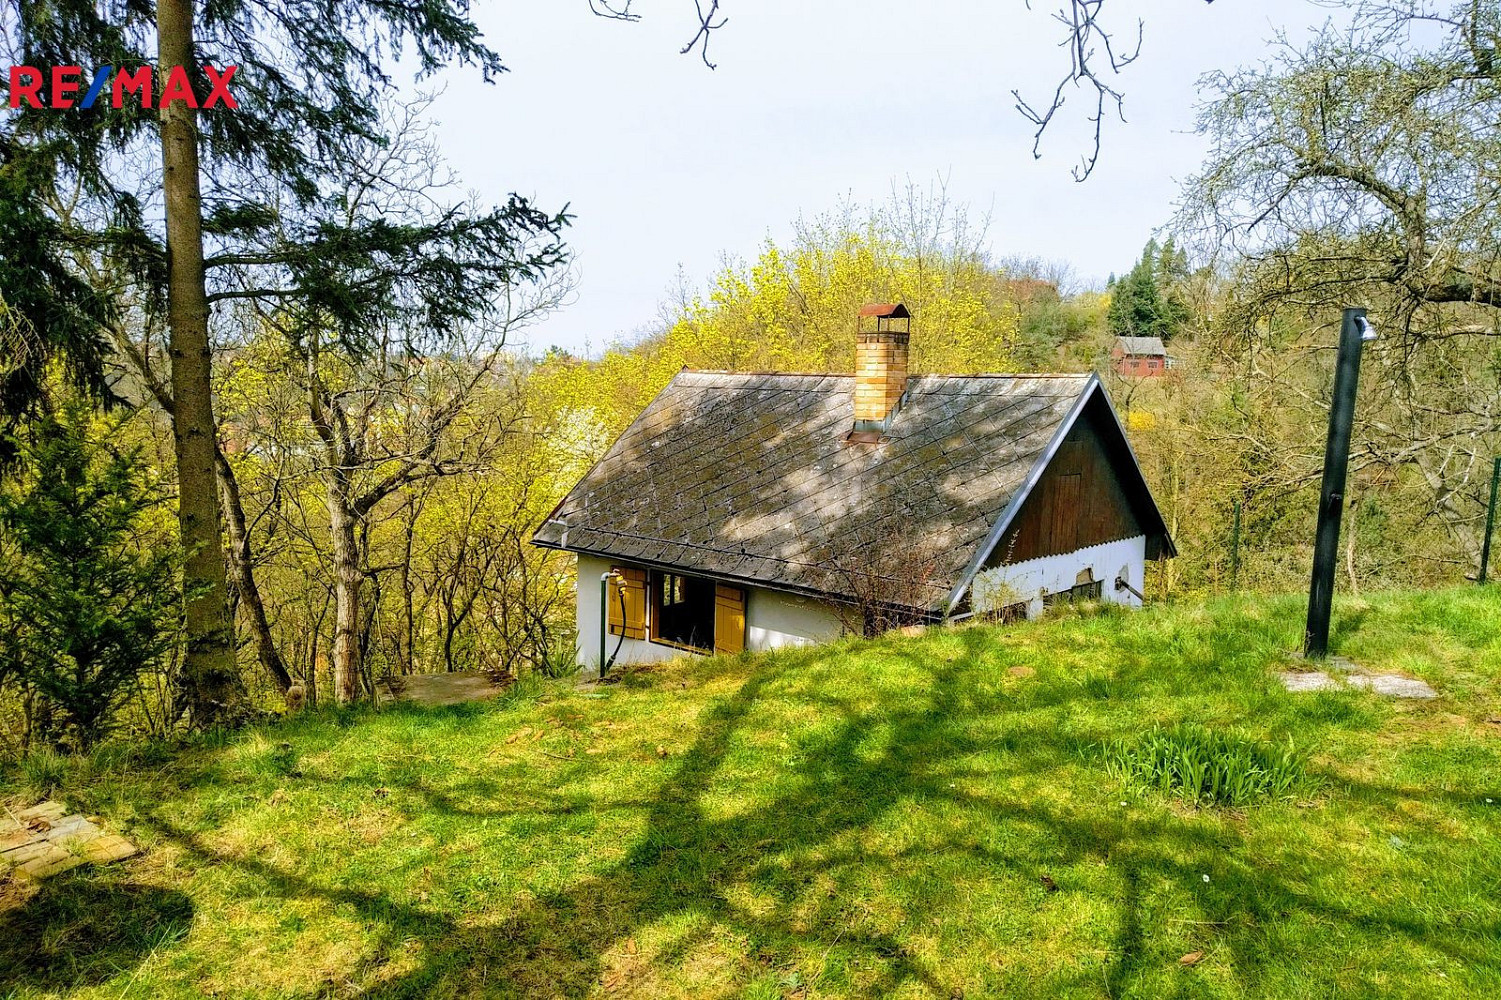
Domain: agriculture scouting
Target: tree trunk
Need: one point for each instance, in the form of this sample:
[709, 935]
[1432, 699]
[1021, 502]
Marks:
[241, 563]
[209, 678]
[347, 580]
[406, 643]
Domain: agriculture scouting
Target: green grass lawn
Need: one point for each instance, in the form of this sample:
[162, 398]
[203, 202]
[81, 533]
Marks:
[907, 817]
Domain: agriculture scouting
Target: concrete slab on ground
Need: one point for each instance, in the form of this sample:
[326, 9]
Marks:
[1342, 672]
[45, 839]
[1307, 680]
[1393, 685]
[443, 689]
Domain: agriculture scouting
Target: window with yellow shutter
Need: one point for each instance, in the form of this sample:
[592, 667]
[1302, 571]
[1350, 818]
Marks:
[729, 619]
[682, 611]
[690, 612]
[627, 611]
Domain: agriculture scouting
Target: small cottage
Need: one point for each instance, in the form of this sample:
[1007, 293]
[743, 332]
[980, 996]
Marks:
[755, 510]
[1139, 357]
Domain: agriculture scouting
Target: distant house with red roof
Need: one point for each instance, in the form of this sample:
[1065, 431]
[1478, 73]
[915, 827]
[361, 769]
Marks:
[1140, 357]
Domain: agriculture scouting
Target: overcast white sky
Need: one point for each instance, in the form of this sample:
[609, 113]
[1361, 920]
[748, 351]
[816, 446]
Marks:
[665, 162]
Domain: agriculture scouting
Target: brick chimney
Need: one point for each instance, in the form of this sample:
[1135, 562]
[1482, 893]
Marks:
[881, 337]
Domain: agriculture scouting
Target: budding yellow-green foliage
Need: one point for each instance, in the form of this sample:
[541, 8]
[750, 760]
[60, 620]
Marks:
[794, 308]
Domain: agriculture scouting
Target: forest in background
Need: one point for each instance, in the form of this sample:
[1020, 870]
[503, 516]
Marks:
[384, 445]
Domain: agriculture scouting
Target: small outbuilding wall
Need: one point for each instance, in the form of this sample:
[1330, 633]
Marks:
[1031, 581]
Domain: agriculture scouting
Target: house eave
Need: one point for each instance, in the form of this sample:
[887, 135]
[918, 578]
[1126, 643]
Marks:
[745, 581]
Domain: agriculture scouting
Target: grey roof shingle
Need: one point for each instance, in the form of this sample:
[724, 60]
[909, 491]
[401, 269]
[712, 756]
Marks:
[748, 476]
[1151, 347]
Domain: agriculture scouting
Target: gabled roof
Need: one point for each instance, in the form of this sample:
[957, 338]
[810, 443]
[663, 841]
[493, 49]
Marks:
[748, 477]
[1142, 346]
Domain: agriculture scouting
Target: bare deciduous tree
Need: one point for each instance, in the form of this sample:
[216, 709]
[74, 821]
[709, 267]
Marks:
[1362, 168]
[890, 574]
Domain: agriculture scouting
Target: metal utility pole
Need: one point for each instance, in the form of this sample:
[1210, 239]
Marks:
[1353, 332]
[1490, 522]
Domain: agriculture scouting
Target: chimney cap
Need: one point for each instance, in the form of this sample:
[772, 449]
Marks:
[886, 310]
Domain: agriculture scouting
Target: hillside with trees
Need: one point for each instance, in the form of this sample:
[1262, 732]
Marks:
[279, 422]
[380, 443]
[381, 495]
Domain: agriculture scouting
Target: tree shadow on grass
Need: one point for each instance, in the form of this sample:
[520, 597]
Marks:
[682, 865]
[1346, 626]
[83, 928]
[780, 879]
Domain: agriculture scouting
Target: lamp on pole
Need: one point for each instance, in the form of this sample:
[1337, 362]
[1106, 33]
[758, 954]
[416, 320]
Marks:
[1354, 331]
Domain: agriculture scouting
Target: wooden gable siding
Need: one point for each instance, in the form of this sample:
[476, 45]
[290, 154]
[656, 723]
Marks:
[1078, 502]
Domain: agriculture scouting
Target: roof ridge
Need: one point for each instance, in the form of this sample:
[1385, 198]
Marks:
[727, 371]
[1006, 375]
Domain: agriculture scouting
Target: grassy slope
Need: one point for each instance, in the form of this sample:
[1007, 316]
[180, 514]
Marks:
[867, 819]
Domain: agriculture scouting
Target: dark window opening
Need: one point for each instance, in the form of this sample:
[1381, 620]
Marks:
[1010, 613]
[1082, 592]
[683, 609]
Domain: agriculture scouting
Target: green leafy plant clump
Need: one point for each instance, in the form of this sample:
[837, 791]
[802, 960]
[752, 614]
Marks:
[1208, 767]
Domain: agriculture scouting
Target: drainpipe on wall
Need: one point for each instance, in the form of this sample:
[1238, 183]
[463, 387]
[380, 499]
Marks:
[604, 618]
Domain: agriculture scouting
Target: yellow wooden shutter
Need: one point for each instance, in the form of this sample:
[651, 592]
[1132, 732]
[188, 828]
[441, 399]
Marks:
[630, 583]
[729, 619]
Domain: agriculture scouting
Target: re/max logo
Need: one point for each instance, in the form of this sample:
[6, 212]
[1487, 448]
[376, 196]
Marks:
[126, 86]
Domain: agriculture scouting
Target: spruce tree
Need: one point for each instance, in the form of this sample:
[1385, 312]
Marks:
[232, 206]
[86, 595]
[1142, 303]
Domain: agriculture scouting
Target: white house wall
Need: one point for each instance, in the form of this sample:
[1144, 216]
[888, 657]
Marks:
[1029, 581]
[772, 619]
